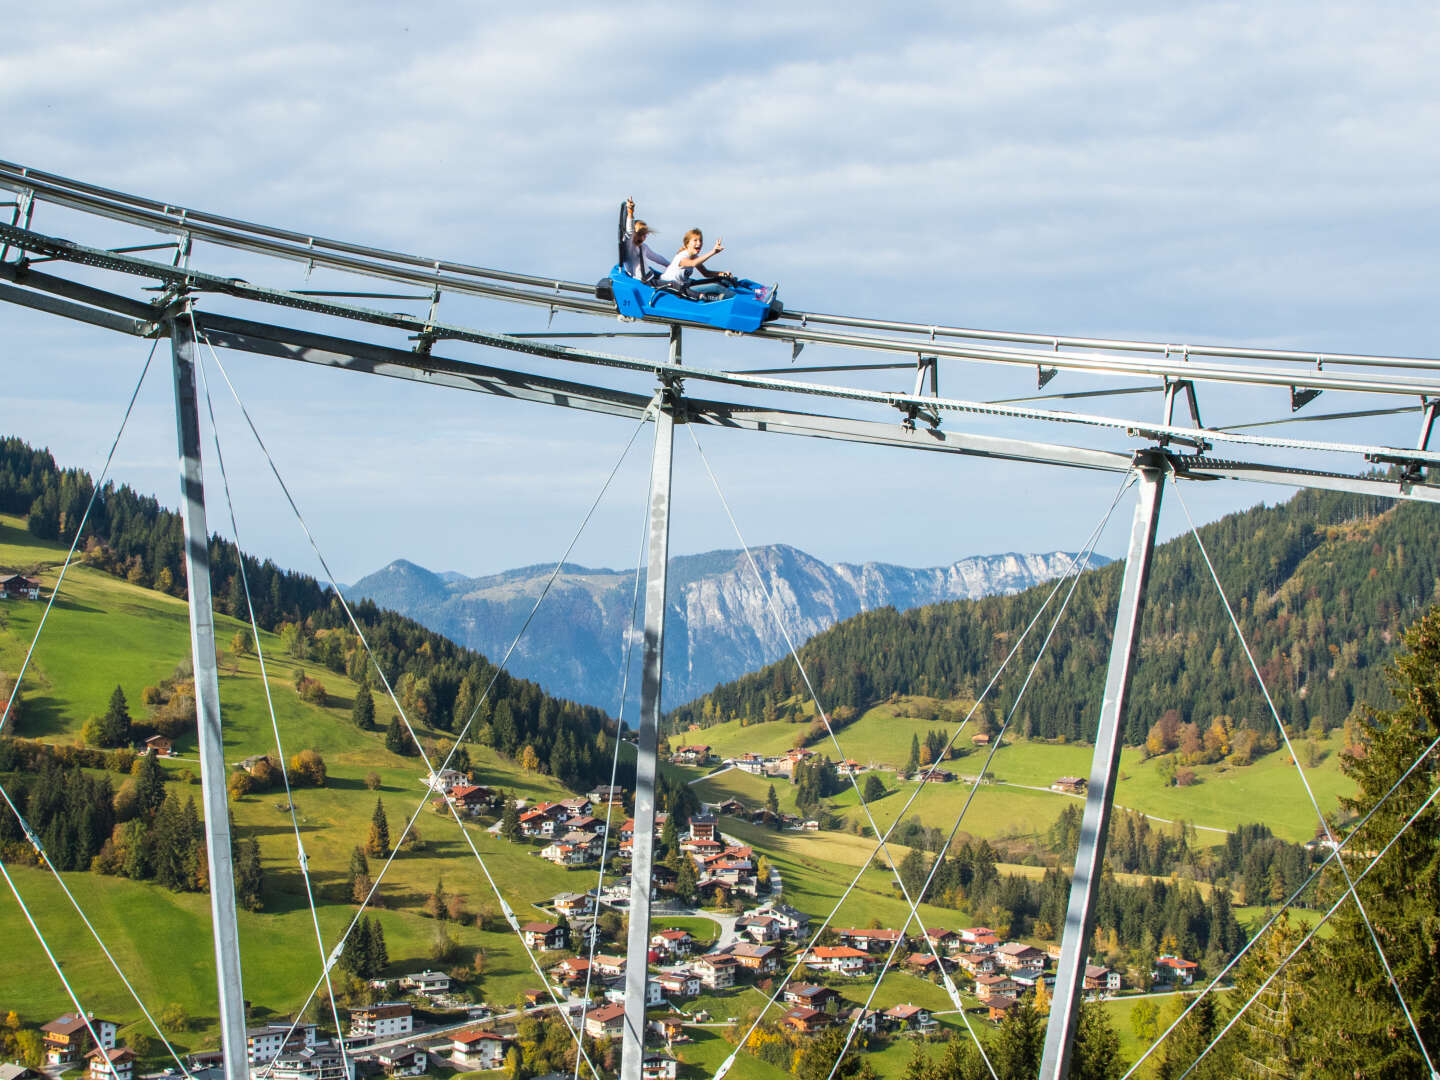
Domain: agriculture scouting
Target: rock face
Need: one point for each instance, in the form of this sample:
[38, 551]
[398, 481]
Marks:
[720, 624]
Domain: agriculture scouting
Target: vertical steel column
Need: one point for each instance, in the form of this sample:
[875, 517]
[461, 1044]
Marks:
[207, 704]
[1079, 918]
[632, 1047]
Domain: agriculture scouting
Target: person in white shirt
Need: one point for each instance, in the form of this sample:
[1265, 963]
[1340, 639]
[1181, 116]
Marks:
[688, 262]
[637, 252]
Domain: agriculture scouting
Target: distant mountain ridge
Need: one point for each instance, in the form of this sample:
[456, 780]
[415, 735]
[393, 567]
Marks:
[719, 624]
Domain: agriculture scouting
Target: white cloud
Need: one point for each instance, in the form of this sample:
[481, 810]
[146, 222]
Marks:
[1203, 171]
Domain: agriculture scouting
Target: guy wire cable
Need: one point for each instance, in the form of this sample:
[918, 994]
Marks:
[1080, 563]
[626, 654]
[1312, 932]
[505, 907]
[300, 854]
[1289, 901]
[994, 679]
[1295, 758]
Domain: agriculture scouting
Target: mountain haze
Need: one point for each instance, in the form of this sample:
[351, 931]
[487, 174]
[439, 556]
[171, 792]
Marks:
[718, 627]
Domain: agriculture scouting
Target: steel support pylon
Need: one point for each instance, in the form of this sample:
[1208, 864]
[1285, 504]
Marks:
[632, 1047]
[1100, 798]
[207, 705]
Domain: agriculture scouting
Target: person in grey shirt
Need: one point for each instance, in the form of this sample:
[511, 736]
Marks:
[637, 252]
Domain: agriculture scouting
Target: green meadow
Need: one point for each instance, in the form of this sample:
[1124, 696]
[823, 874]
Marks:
[1008, 806]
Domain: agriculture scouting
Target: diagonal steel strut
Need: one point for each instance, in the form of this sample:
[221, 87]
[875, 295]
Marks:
[1085, 886]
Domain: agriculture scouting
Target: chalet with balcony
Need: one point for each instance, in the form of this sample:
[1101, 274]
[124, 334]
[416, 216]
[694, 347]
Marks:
[987, 986]
[544, 936]
[407, 1060]
[606, 1022]
[475, 1048]
[1016, 954]
[1175, 971]
[384, 1020]
[692, 755]
[673, 942]
[909, 1017]
[804, 1020]
[838, 960]
[117, 1063]
[67, 1038]
[717, 971]
[812, 996]
[1100, 981]
[19, 587]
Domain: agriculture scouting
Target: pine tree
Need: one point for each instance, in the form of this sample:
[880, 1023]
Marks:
[359, 867]
[356, 957]
[149, 784]
[363, 711]
[1402, 893]
[686, 884]
[1096, 1053]
[510, 822]
[379, 954]
[1016, 1049]
[172, 848]
[114, 728]
[772, 801]
[249, 877]
[1268, 1037]
[1187, 1042]
[378, 842]
[670, 852]
[397, 739]
[914, 762]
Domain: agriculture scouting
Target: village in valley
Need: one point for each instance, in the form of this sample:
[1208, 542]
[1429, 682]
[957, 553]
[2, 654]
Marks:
[424, 1021]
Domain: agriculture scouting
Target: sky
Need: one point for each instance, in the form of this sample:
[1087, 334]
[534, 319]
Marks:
[1260, 174]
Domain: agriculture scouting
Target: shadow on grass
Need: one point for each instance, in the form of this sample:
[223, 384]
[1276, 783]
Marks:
[43, 718]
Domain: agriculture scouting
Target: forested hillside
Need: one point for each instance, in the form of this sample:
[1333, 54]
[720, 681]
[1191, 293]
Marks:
[1322, 585]
[439, 682]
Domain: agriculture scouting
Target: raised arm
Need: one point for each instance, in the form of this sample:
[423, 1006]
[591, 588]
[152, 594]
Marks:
[699, 260]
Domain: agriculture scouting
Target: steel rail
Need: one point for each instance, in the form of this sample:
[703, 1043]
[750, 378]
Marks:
[359, 258]
[198, 280]
[169, 217]
[442, 276]
[1313, 379]
[1058, 341]
[369, 358]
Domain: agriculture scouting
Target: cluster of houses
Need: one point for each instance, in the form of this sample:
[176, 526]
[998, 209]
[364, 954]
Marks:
[576, 837]
[1003, 972]
[813, 1008]
[682, 969]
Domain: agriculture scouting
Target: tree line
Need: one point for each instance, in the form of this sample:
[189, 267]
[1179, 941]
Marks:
[141, 831]
[438, 683]
[1322, 586]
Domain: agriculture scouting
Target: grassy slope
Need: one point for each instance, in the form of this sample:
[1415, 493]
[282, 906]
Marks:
[1270, 790]
[103, 632]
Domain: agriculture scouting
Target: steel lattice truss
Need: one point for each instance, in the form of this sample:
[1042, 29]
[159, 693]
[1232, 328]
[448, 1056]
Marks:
[132, 291]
